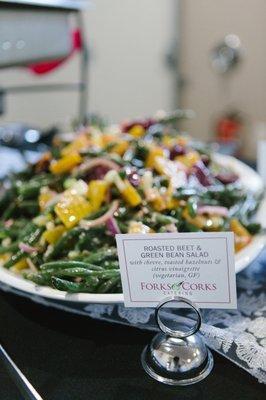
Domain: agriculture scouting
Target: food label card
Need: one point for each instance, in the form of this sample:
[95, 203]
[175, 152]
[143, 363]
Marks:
[197, 266]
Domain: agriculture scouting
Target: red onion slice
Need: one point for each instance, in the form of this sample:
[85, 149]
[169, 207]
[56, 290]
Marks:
[202, 173]
[96, 162]
[145, 123]
[213, 210]
[87, 224]
[227, 177]
[112, 226]
[8, 223]
[27, 248]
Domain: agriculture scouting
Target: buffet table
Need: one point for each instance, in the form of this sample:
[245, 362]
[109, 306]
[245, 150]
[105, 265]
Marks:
[70, 357]
[61, 304]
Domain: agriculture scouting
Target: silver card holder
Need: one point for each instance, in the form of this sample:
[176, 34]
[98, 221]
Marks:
[32, 35]
[177, 357]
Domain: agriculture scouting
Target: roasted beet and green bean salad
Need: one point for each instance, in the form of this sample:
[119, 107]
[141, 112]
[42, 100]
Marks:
[60, 216]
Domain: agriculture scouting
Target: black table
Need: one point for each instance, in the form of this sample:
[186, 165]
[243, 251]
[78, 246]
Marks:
[69, 357]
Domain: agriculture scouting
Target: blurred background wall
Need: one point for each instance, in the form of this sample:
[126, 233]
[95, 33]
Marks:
[130, 76]
[203, 24]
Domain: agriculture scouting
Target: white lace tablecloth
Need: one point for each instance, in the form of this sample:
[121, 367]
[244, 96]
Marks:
[239, 335]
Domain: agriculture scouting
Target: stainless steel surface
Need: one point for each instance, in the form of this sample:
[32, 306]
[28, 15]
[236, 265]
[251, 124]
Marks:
[175, 361]
[28, 55]
[25, 387]
[84, 74]
[177, 357]
[64, 4]
[67, 86]
[174, 332]
[28, 36]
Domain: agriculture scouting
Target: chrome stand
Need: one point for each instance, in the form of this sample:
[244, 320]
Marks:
[177, 357]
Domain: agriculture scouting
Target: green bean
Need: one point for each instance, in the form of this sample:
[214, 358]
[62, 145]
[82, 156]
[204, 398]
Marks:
[6, 198]
[14, 259]
[253, 228]
[209, 202]
[68, 286]
[181, 193]
[118, 288]
[102, 255]
[122, 173]
[10, 211]
[122, 226]
[37, 259]
[72, 272]
[91, 283]
[4, 233]
[94, 238]
[9, 249]
[24, 235]
[248, 208]
[226, 197]
[31, 207]
[106, 274]
[46, 278]
[55, 152]
[83, 272]
[107, 286]
[34, 236]
[23, 175]
[187, 227]
[111, 264]
[29, 190]
[27, 230]
[64, 244]
[141, 151]
[163, 219]
[99, 213]
[38, 278]
[192, 207]
[41, 177]
[9, 232]
[19, 224]
[117, 159]
[58, 265]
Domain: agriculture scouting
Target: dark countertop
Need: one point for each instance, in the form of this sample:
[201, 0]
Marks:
[70, 357]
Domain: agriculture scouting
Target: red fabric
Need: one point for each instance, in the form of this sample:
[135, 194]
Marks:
[227, 129]
[48, 66]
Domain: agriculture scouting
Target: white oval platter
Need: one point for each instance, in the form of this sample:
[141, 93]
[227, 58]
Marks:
[250, 179]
